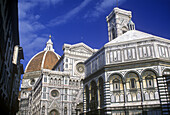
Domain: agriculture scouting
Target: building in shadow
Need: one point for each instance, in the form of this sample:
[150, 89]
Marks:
[10, 55]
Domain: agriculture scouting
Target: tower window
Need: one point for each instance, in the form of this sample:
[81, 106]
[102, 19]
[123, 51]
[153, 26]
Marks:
[66, 59]
[113, 34]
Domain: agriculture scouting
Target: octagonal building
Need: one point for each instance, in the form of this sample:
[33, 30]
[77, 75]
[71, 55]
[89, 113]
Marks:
[129, 74]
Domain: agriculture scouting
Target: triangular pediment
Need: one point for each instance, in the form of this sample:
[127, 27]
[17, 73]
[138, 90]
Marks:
[81, 48]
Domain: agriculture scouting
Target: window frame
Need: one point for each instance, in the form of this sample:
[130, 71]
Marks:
[131, 83]
[149, 78]
[116, 82]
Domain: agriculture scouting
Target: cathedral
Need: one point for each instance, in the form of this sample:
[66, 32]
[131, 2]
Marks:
[53, 84]
[129, 75]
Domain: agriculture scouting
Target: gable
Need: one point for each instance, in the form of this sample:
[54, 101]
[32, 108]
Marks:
[81, 48]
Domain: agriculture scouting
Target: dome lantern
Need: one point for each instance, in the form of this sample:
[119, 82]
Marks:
[49, 45]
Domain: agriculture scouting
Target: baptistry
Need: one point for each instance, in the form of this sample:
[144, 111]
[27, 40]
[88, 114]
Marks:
[129, 74]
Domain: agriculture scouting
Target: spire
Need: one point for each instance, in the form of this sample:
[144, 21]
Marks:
[49, 45]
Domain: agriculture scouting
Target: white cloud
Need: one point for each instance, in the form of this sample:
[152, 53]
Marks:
[29, 26]
[64, 18]
[101, 8]
[30, 40]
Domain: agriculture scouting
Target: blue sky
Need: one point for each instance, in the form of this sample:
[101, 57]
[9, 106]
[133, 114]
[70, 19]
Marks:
[73, 21]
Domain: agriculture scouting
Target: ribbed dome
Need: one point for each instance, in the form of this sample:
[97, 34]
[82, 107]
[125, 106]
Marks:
[43, 60]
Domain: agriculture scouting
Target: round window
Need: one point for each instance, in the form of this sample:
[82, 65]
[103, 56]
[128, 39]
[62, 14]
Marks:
[54, 93]
[80, 67]
[32, 82]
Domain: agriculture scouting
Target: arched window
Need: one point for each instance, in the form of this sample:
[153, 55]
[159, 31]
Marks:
[149, 81]
[55, 81]
[151, 95]
[132, 80]
[156, 95]
[117, 98]
[129, 97]
[112, 98]
[149, 77]
[138, 96]
[59, 82]
[121, 98]
[116, 84]
[146, 96]
[132, 83]
[133, 96]
[74, 82]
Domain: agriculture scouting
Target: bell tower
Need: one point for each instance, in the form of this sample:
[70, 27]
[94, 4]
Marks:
[119, 22]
